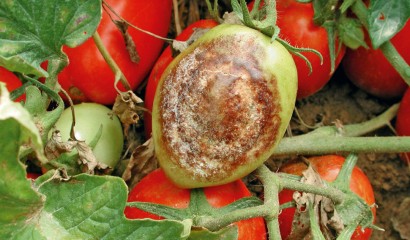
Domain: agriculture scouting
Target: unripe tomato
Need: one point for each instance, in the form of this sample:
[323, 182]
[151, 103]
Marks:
[162, 63]
[328, 167]
[157, 188]
[222, 105]
[89, 118]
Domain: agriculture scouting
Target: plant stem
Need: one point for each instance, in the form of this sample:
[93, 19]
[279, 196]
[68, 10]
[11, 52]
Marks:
[110, 61]
[389, 51]
[271, 189]
[336, 195]
[339, 139]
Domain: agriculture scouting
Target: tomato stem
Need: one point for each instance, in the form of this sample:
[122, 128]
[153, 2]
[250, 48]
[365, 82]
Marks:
[389, 51]
[344, 138]
[110, 61]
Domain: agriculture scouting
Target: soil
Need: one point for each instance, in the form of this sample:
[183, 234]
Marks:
[341, 101]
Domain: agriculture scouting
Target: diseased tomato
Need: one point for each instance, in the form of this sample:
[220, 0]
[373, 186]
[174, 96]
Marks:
[328, 167]
[402, 124]
[222, 105]
[295, 21]
[369, 69]
[12, 81]
[89, 118]
[157, 188]
[163, 61]
[89, 78]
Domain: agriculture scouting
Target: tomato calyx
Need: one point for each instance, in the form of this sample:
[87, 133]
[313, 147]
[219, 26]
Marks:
[263, 18]
[199, 210]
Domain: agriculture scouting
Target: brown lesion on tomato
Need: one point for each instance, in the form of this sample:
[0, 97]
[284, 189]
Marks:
[218, 109]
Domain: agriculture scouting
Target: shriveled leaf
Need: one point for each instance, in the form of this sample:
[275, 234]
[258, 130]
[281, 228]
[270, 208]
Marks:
[56, 146]
[386, 18]
[129, 42]
[127, 108]
[142, 162]
[34, 31]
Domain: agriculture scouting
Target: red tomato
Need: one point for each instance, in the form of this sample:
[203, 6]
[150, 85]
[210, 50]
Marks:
[162, 63]
[12, 82]
[32, 175]
[295, 21]
[369, 69]
[156, 188]
[328, 167]
[403, 121]
[89, 78]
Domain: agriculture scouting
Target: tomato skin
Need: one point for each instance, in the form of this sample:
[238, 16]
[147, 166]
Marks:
[295, 21]
[369, 69]
[402, 124]
[89, 78]
[32, 175]
[12, 82]
[328, 167]
[89, 117]
[156, 188]
[162, 63]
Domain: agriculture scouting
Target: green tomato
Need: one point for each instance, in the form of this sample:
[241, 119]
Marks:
[89, 118]
[222, 106]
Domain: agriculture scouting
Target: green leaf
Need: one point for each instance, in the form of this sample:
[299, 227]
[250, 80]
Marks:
[386, 18]
[227, 233]
[324, 11]
[34, 31]
[351, 32]
[85, 207]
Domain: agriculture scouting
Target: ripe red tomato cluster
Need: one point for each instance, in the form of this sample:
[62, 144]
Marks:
[157, 188]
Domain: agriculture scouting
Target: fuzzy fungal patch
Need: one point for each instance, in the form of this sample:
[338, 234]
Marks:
[218, 110]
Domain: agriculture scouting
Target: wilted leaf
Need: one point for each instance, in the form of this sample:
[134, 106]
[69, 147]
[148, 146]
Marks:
[127, 107]
[142, 162]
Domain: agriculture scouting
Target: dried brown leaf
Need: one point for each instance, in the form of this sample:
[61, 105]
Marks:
[127, 108]
[87, 158]
[55, 146]
[129, 42]
[142, 162]
[401, 221]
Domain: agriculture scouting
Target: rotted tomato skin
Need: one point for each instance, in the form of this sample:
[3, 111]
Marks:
[222, 105]
[328, 167]
[370, 71]
[157, 188]
[162, 63]
[88, 78]
[402, 123]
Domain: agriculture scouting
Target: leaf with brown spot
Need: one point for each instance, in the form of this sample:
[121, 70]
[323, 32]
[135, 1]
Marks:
[142, 162]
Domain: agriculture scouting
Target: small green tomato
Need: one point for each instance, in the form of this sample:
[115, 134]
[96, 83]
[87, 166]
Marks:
[89, 118]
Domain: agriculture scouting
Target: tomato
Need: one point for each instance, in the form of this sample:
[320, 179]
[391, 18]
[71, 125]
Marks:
[295, 21]
[89, 117]
[89, 78]
[369, 69]
[163, 61]
[12, 81]
[222, 105]
[157, 188]
[402, 124]
[328, 167]
[32, 175]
